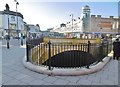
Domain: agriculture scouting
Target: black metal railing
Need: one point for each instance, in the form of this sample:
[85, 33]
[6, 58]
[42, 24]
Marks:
[31, 43]
[66, 55]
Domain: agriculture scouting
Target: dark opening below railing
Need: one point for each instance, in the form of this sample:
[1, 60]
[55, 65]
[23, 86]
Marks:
[66, 55]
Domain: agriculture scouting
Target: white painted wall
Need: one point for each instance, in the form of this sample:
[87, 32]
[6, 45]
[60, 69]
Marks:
[1, 23]
[5, 21]
[33, 29]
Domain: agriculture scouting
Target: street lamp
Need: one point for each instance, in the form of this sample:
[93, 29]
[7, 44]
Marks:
[8, 24]
[118, 24]
[17, 17]
[8, 31]
[8, 37]
[72, 22]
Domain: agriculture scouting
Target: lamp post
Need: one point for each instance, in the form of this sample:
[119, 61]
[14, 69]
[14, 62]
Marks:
[8, 36]
[118, 24]
[8, 31]
[8, 24]
[17, 17]
[72, 22]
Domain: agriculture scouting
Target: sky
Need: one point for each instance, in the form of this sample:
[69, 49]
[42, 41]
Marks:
[52, 13]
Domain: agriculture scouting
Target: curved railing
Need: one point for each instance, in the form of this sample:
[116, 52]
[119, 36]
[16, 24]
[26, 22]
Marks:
[49, 54]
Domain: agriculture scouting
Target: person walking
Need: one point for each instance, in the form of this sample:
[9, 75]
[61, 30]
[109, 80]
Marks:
[116, 49]
[21, 38]
[8, 39]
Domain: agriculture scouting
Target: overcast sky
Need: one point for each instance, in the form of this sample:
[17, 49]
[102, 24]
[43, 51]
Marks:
[50, 14]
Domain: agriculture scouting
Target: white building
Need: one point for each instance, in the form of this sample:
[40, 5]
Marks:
[89, 26]
[34, 30]
[11, 22]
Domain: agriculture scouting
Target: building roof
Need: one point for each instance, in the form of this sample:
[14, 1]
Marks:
[12, 13]
[30, 24]
[86, 7]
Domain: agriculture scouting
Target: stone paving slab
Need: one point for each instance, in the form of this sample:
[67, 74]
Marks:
[50, 79]
[39, 76]
[61, 82]
[84, 82]
[27, 79]
[15, 73]
[72, 79]
[37, 82]
[94, 79]
[6, 78]
[13, 82]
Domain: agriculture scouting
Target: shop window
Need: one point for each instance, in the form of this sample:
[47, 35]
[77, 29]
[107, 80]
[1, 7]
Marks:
[21, 26]
[12, 26]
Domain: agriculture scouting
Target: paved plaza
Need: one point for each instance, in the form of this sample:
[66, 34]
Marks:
[14, 73]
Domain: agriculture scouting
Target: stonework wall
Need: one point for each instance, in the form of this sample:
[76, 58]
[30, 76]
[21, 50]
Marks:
[99, 24]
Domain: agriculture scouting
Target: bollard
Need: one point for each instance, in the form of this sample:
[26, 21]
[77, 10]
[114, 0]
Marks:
[8, 44]
[8, 38]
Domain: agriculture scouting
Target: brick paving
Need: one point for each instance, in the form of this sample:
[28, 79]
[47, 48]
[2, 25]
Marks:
[14, 73]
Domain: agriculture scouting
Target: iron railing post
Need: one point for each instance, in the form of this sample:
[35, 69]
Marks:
[107, 47]
[101, 52]
[49, 55]
[88, 50]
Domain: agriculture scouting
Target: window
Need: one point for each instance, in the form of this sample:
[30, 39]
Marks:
[21, 26]
[12, 18]
[12, 26]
